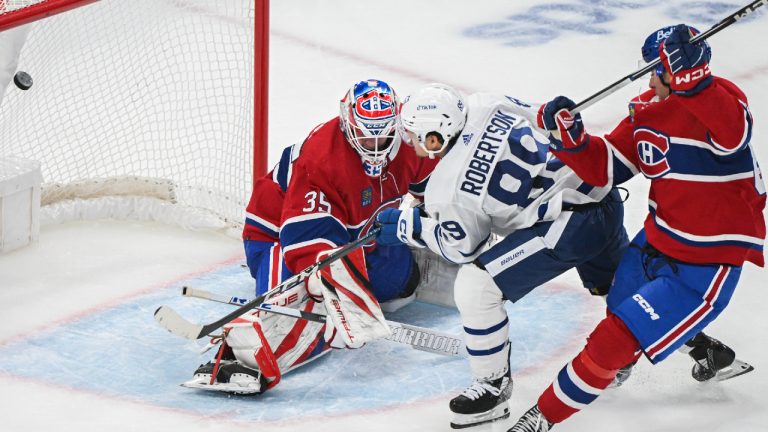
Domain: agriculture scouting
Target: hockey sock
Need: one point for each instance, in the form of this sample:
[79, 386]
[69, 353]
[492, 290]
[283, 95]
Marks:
[610, 347]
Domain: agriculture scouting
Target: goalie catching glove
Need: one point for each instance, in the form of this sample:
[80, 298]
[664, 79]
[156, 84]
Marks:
[354, 316]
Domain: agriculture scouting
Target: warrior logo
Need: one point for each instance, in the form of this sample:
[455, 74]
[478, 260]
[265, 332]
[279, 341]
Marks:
[652, 148]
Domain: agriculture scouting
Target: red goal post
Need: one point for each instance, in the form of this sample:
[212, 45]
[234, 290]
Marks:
[146, 100]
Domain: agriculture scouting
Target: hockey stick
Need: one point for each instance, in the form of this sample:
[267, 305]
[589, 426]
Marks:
[727, 21]
[420, 338]
[178, 325]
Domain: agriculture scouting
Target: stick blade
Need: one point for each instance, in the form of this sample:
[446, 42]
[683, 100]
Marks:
[176, 324]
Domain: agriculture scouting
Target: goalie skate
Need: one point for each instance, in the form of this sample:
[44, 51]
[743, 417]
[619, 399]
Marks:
[232, 377]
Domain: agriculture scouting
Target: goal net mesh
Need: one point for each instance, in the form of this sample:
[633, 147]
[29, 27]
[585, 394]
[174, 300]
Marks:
[145, 95]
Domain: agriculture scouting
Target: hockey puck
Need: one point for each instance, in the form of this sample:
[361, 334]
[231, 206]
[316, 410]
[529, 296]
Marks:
[22, 80]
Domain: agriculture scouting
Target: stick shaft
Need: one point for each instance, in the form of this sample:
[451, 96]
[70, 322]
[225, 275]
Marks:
[176, 324]
[616, 86]
[420, 338]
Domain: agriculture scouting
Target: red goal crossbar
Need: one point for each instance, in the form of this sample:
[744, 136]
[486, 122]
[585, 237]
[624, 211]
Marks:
[36, 11]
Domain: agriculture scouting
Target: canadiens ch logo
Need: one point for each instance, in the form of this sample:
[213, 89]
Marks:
[652, 148]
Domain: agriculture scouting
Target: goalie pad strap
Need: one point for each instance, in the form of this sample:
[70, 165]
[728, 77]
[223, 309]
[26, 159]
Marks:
[267, 360]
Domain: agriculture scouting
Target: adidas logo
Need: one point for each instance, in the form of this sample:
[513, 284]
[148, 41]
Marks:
[467, 138]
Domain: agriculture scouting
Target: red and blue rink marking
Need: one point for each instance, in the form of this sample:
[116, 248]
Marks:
[120, 352]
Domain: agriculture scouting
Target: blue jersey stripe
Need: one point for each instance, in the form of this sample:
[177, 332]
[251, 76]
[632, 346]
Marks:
[261, 227]
[685, 159]
[486, 352]
[572, 390]
[283, 168]
[703, 244]
[486, 331]
[327, 228]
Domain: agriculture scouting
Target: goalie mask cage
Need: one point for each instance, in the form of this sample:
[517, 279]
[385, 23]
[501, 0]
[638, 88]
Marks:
[141, 109]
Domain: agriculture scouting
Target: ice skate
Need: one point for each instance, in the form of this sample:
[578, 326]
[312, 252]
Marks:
[622, 375]
[483, 402]
[714, 360]
[532, 421]
[231, 377]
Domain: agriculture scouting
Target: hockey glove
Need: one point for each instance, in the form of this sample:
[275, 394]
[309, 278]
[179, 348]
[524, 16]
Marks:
[354, 316]
[567, 130]
[688, 63]
[400, 226]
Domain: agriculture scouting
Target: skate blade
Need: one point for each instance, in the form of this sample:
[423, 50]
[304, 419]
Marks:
[736, 368]
[204, 384]
[461, 421]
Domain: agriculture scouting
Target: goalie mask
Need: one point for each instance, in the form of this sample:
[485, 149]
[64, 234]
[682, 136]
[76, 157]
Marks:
[370, 122]
[434, 108]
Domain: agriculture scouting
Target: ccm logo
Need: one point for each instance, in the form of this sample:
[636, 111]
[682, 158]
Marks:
[402, 228]
[692, 76]
[646, 306]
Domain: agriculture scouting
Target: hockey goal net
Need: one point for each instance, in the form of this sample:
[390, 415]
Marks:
[148, 100]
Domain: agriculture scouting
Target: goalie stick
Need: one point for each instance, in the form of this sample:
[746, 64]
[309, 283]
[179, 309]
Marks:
[725, 22]
[180, 326]
[420, 338]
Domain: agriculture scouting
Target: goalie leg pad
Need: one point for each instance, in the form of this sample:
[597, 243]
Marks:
[261, 347]
[354, 314]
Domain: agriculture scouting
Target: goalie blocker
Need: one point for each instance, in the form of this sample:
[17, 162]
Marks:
[258, 347]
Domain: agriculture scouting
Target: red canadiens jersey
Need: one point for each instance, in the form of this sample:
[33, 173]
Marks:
[707, 194]
[328, 200]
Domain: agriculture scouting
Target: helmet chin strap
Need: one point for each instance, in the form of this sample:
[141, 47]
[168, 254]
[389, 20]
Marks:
[661, 79]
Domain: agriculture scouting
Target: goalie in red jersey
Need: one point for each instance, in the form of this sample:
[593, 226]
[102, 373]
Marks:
[324, 193]
[705, 221]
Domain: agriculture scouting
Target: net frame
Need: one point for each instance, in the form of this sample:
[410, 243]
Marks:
[185, 164]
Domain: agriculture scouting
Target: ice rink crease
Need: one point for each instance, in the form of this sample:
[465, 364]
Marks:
[147, 363]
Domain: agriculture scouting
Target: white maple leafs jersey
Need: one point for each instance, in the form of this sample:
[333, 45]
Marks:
[499, 177]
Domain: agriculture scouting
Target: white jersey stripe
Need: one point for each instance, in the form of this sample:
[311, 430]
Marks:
[578, 382]
[261, 221]
[710, 179]
[308, 243]
[706, 239]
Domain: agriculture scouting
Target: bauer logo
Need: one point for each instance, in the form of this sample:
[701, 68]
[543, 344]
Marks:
[426, 107]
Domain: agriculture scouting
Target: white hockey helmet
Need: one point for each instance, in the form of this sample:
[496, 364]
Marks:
[434, 108]
[370, 121]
